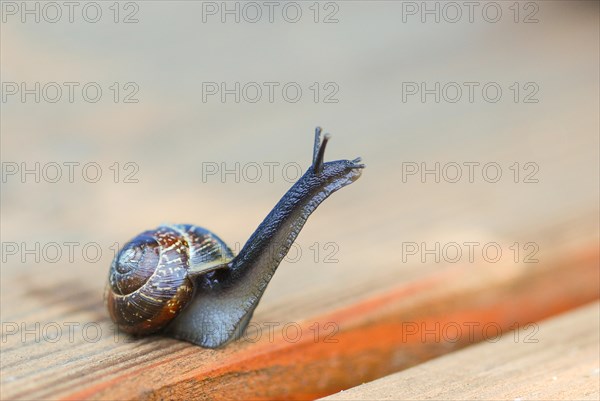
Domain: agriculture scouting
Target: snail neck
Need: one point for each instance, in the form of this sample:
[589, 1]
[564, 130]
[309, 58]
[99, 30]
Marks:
[252, 269]
[226, 298]
[271, 241]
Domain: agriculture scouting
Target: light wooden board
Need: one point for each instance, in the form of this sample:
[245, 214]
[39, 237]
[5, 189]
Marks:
[369, 341]
[559, 359]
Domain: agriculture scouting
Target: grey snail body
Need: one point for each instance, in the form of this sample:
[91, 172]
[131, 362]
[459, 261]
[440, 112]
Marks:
[184, 281]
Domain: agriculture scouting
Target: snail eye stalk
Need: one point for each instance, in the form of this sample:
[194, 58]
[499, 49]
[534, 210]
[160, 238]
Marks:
[319, 151]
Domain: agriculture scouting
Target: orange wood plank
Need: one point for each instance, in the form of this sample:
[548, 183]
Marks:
[557, 361]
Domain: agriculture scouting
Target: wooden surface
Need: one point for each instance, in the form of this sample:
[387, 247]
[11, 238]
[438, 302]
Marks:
[369, 344]
[559, 359]
[370, 290]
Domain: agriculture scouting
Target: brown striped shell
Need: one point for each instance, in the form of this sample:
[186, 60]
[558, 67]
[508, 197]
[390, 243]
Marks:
[150, 279]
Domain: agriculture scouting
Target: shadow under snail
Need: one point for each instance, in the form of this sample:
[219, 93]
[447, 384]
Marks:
[184, 281]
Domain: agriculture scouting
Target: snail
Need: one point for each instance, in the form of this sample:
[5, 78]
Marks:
[184, 281]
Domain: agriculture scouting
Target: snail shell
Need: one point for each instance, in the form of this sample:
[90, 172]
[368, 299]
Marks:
[152, 278]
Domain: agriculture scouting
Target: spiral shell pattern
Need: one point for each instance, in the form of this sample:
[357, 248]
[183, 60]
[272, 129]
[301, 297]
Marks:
[150, 279]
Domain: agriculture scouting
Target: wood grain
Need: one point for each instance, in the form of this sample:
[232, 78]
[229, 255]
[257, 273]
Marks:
[557, 360]
[373, 339]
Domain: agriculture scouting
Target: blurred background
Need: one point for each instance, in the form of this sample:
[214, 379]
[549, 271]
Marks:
[180, 133]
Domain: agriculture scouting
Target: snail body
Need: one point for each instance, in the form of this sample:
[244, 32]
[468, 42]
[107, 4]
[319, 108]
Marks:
[184, 280]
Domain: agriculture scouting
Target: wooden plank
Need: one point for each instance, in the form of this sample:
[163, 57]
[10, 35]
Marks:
[370, 341]
[557, 360]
